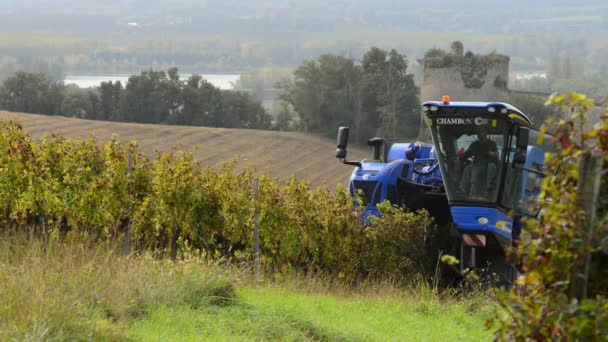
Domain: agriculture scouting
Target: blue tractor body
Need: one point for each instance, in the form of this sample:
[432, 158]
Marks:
[399, 180]
[480, 176]
[502, 223]
[405, 174]
[495, 162]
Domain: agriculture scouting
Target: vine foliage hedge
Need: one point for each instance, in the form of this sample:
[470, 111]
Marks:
[553, 246]
[172, 204]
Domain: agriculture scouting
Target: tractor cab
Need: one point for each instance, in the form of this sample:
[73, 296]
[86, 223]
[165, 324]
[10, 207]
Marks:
[492, 164]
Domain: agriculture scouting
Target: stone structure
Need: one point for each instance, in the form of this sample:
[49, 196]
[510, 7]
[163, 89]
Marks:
[472, 77]
[464, 77]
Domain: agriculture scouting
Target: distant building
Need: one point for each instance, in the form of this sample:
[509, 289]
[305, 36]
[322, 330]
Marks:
[464, 77]
[472, 77]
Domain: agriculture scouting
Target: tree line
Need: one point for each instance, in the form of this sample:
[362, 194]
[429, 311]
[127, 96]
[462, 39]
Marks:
[375, 97]
[150, 97]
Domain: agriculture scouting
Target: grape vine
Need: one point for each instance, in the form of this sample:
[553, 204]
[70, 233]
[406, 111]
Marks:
[79, 188]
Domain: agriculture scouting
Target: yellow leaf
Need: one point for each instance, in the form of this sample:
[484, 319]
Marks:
[577, 97]
[575, 174]
[559, 99]
[541, 136]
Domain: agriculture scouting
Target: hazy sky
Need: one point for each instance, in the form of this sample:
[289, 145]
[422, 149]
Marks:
[233, 34]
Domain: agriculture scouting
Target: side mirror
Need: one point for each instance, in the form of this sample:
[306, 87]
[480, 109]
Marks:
[523, 138]
[342, 142]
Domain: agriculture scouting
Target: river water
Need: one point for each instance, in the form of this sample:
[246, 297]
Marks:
[223, 81]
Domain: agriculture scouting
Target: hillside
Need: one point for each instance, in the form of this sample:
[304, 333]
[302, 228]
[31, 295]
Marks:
[282, 153]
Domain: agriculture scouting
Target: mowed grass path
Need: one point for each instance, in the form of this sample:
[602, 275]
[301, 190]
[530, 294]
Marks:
[271, 313]
[283, 154]
[75, 291]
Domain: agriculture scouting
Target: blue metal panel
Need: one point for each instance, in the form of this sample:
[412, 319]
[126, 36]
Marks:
[466, 220]
[509, 107]
[536, 155]
[397, 151]
[474, 105]
[388, 176]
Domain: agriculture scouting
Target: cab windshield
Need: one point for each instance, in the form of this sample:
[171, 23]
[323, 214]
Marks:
[471, 154]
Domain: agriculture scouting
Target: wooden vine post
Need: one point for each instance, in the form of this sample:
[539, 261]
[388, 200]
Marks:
[590, 176]
[256, 231]
[126, 247]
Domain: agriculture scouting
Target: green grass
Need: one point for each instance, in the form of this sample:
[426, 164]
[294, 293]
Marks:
[277, 313]
[74, 292]
[70, 291]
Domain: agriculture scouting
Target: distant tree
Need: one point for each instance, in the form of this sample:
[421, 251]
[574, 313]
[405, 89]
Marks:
[376, 97]
[77, 104]
[201, 101]
[31, 93]
[94, 104]
[240, 110]
[261, 80]
[391, 102]
[340, 91]
[285, 118]
[139, 103]
[201, 104]
[109, 102]
[171, 93]
[402, 97]
[374, 84]
[151, 97]
[324, 93]
[304, 93]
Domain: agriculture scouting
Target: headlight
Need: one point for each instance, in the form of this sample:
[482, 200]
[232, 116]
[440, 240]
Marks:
[483, 220]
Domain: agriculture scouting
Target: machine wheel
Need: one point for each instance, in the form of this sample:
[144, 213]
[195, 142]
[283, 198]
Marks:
[502, 272]
[493, 270]
[450, 274]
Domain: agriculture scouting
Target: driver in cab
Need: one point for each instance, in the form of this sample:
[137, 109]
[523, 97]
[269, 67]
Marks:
[479, 178]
